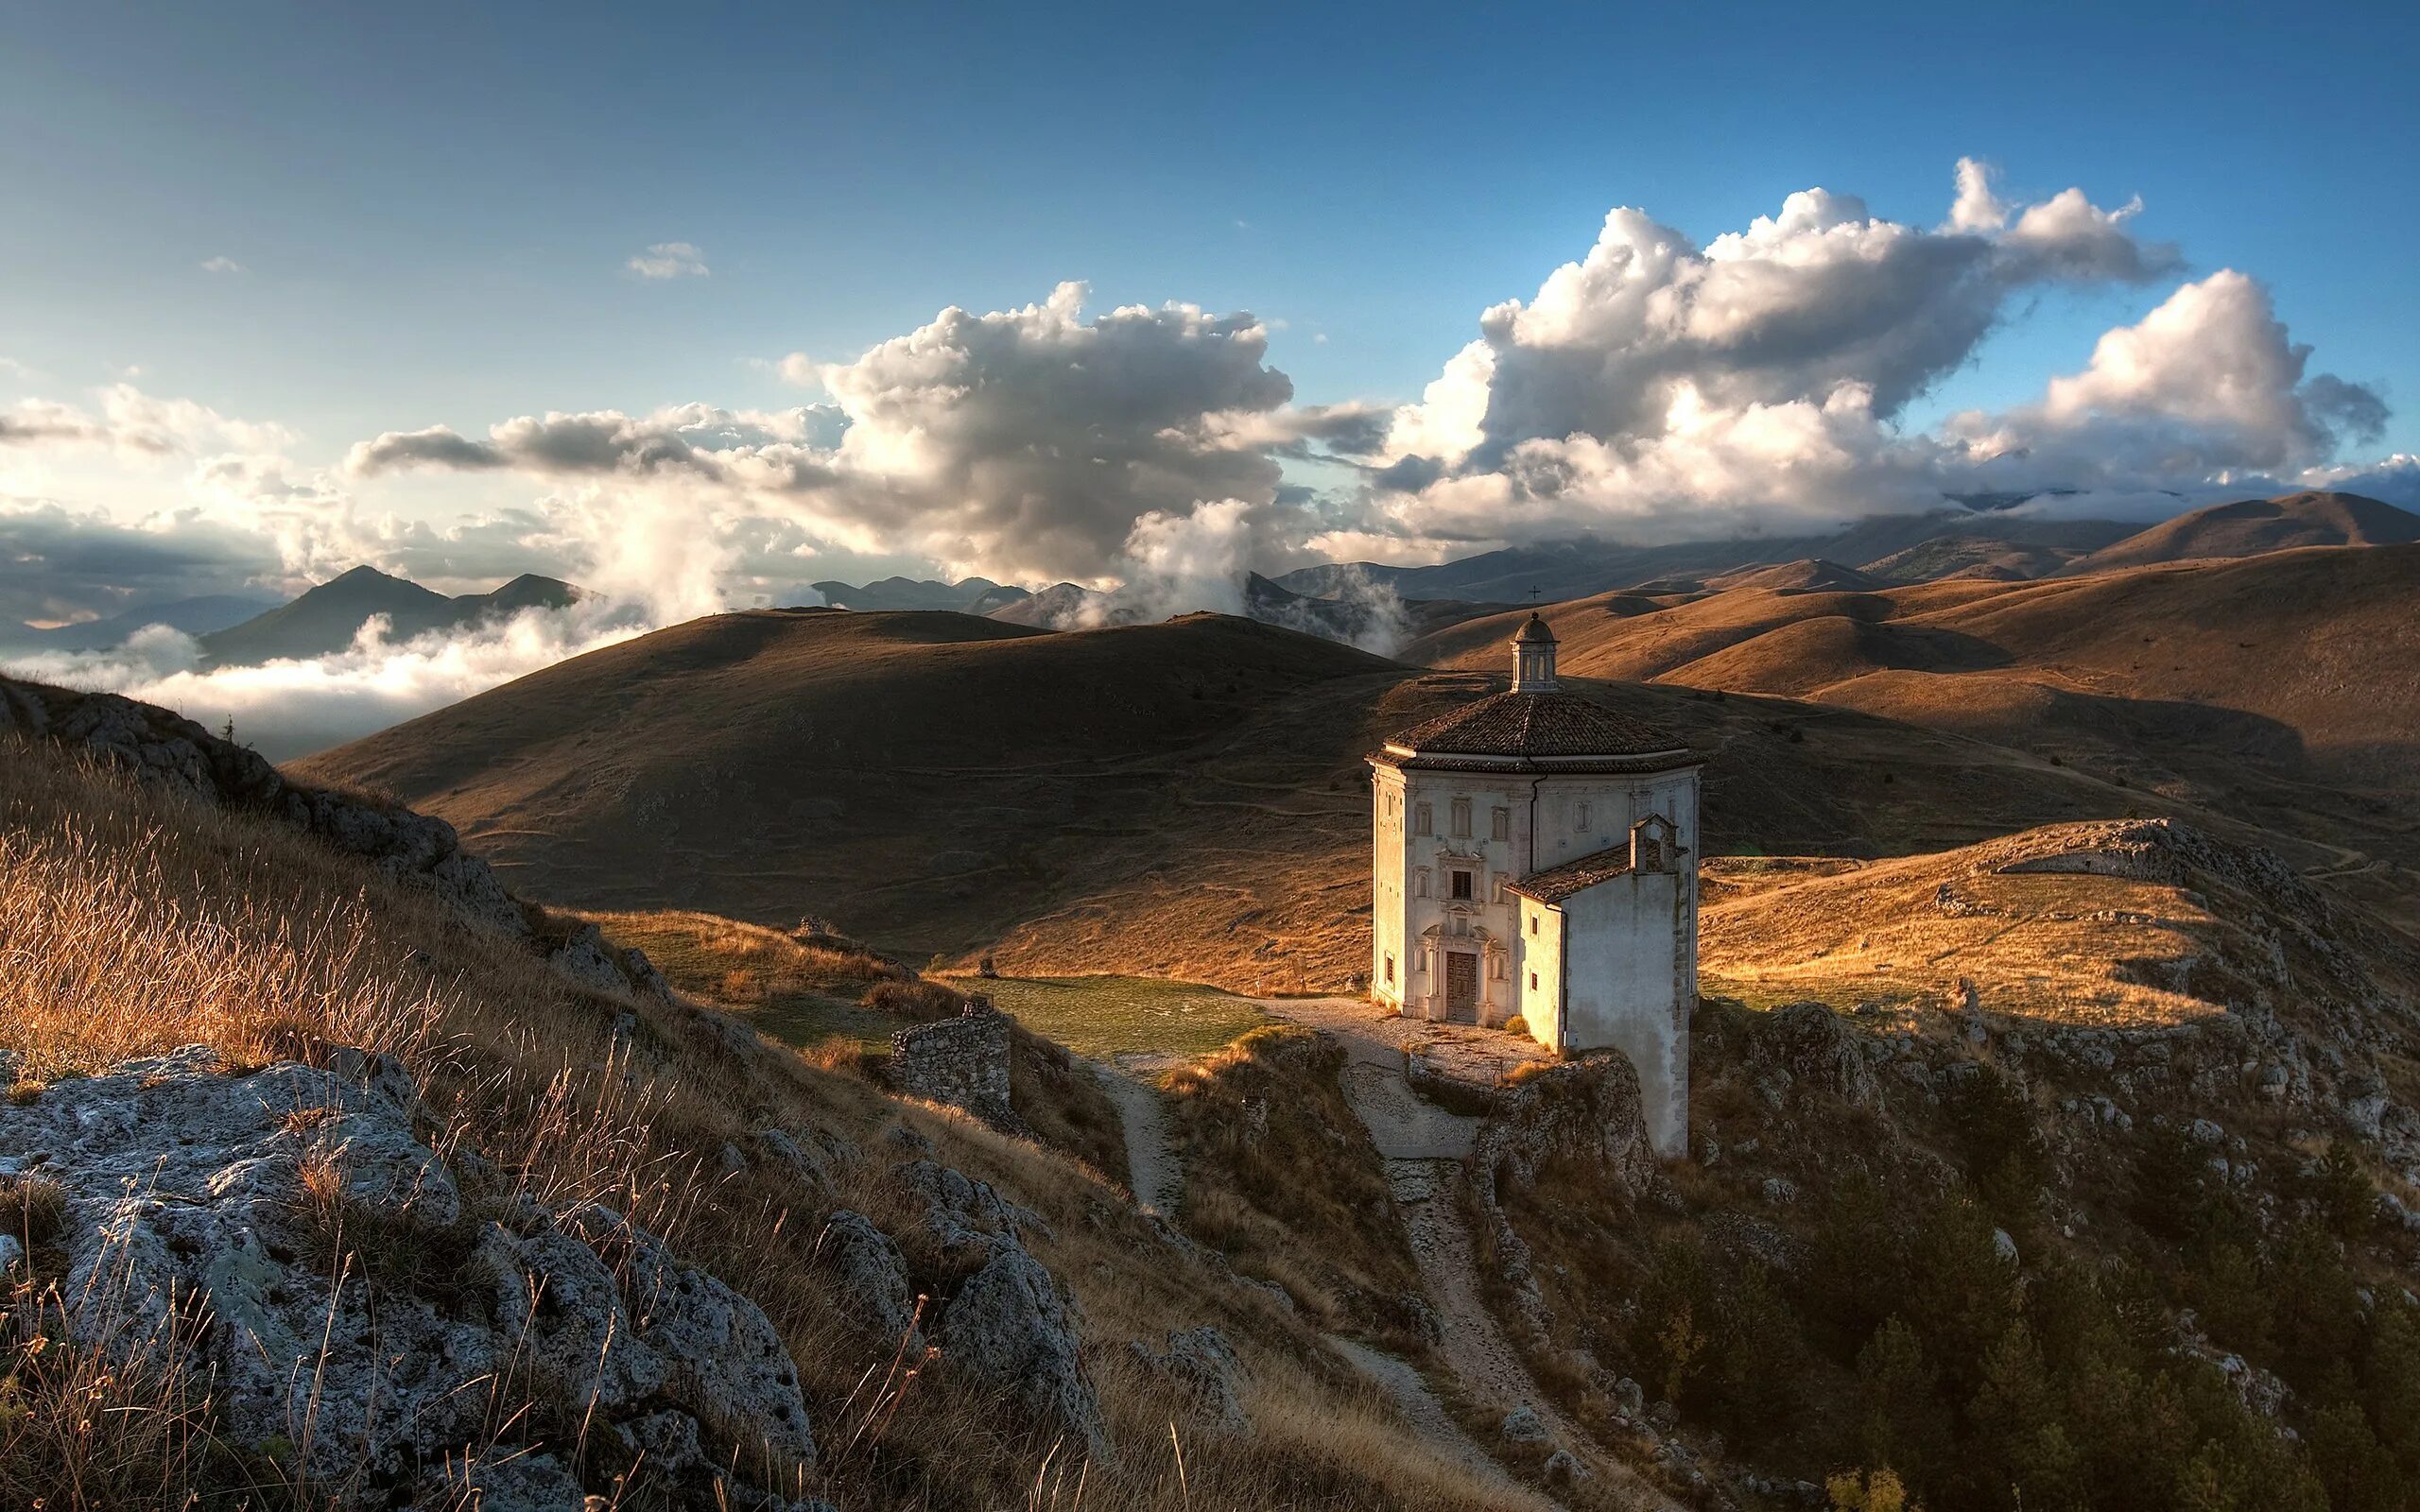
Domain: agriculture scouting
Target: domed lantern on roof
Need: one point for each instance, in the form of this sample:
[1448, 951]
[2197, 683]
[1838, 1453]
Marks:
[1534, 863]
[1533, 656]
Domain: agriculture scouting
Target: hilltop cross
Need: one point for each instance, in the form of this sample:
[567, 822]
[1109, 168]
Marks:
[1536, 593]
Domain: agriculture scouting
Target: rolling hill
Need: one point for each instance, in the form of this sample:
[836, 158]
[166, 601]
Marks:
[2284, 688]
[1575, 569]
[1185, 799]
[2250, 528]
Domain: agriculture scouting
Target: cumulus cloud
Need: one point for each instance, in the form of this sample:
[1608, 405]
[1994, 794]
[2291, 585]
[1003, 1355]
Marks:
[667, 260]
[1025, 443]
[290, 708]
[2208, 381]
[59, 563]
[1658, 390]
[1650, 388]
[2394, 479]
[134, 423]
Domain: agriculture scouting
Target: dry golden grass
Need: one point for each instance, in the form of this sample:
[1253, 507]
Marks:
[1280, 1175]
[132, 922]
[1919, 932]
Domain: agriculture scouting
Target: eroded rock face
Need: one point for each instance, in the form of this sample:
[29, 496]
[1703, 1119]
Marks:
[1583, 1115]
[1584, 1110]
[365, 1311]
[1203, 1364]
[1009, 1326]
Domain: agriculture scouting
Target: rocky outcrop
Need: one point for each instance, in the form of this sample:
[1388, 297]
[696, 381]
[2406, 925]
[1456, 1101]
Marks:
[1009, 1326]
[961, 1063]
[1807, 1044]
[368, 1314]
[171, 751]
[1203, 1366]
[1582, 1113]
[871, 1278]
[1582, 1116]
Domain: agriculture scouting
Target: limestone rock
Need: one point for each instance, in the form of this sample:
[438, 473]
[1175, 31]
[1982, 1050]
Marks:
[1523, 1425]
[1203, 1364]
[587, 960]
[872, 1276]
[1585, 1109]
[722, 1359]
[1009, 1329]
[1563, 1467]
[1809, 1044]
[340, 1304]
[963, 1214]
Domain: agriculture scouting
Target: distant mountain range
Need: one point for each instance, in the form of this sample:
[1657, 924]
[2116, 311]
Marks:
[971, 595]
[1890, 548]
[248, 629]
[1333, 599]
[193, 616]
[326, 618]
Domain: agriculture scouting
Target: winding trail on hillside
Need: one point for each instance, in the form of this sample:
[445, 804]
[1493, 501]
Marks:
[1423, 1147]
[1155, 1175]
[1157, 1181]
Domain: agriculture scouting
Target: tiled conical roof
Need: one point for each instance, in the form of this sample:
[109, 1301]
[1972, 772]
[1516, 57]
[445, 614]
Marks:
[1534, 724]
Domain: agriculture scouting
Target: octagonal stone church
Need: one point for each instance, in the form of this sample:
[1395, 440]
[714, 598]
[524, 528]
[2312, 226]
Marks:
[1534, 856]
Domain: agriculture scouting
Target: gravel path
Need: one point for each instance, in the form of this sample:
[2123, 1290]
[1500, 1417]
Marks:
[1423, 1145]
[1429, 1418]
[1156, 1176]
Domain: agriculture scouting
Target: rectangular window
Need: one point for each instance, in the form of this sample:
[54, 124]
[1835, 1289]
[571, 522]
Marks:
[1500, 825]
[1390, 971]
[1533, 923]
[1462, 885]
[1462, 818]
[1580, 817]
[1533, 981]
[1423, 822]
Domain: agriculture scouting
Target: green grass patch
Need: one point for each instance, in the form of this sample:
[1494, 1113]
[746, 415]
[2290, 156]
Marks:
[1103, 1016]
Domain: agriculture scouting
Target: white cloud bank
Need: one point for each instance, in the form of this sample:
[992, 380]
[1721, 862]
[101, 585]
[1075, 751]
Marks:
[1655, 389]
[289, 708]
[1652, 389]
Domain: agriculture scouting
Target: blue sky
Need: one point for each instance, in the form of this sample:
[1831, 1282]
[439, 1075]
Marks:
[432, 212]
[434, 204]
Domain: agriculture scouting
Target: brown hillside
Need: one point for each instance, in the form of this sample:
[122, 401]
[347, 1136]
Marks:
[2283, 688]
[2252, 526]
[1186, 799]
[1809, 575]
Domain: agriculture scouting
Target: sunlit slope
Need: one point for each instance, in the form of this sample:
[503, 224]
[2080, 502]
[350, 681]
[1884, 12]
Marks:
[1185, 799]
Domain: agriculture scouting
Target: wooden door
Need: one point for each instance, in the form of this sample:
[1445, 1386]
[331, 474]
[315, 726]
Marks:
[1462, 987]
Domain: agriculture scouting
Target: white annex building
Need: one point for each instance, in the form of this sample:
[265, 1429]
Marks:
[1535, 856]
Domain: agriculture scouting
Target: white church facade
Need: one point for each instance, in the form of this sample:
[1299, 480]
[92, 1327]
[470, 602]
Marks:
[1536, 858]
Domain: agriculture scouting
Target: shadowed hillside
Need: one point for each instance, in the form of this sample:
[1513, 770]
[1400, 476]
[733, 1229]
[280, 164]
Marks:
[1185, 799]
